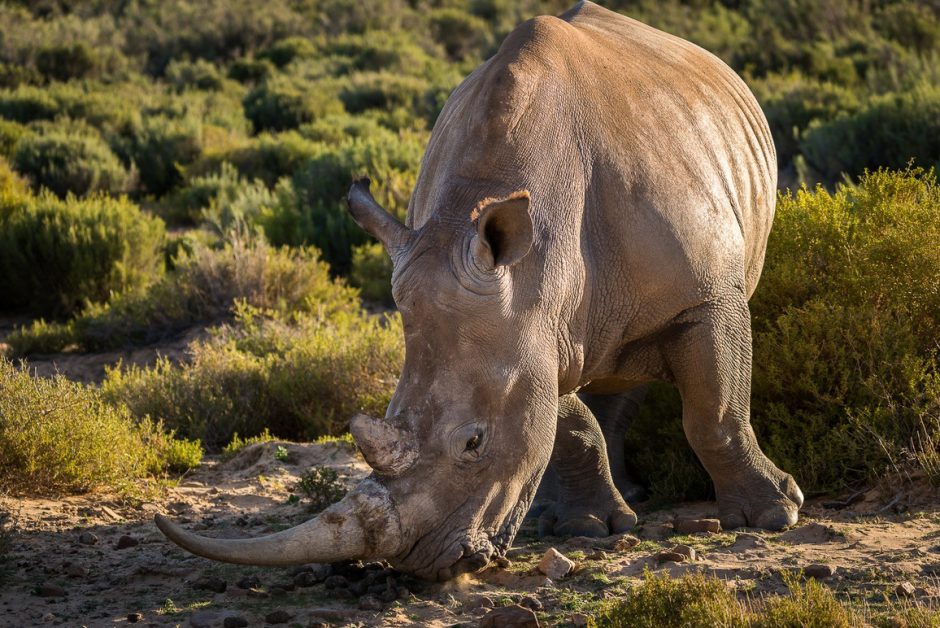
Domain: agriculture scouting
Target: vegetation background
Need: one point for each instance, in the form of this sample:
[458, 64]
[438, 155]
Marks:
[174, 164]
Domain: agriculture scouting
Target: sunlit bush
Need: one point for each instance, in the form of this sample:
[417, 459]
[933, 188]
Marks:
[279, 104]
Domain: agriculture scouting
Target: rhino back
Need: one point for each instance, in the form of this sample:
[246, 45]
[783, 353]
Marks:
[650, 165]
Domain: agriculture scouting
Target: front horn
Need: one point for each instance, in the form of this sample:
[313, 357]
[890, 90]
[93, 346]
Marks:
[388, 449]
[363, 525]
[372, 217]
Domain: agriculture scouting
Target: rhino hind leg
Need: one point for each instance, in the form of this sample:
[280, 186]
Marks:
[709, 356]
[588, 503]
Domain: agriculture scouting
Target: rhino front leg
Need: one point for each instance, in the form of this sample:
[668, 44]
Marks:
[614, 414]
[709, 355]
[588, 503]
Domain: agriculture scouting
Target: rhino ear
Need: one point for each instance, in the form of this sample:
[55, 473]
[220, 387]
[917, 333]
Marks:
[504, 229]
[372, 217]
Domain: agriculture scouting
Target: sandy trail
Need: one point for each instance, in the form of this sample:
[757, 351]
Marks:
[153, 583]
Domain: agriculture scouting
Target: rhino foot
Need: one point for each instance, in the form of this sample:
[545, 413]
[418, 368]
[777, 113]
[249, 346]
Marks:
[772, 506]
[559, 521]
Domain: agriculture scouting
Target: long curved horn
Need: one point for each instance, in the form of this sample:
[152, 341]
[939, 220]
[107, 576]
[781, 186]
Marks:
[364, 525]
[388, 449]
[372, 217]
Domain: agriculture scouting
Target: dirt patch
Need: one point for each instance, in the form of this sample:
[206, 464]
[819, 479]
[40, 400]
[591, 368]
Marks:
[98, 560]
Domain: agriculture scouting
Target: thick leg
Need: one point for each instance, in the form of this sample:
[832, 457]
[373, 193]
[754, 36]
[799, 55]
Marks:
[614, 414]
[710, 358]
[588, 503]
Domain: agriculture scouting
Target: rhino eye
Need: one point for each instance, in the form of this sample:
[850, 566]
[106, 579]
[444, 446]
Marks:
[473, 443]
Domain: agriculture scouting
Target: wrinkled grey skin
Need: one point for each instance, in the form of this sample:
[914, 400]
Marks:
[591, 215]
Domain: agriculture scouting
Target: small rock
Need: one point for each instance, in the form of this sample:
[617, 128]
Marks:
[818, 571]
[690, 526]
[579, 620]
[598, 555]
[278, 617]
[75, 571]
[905, 589]
[625, 542]
[668, 556]
[370, 603]
[249, 582]
[305, 579]
[685, 550]
[277, 591]
[531, 603]
[337, 582]
[211, 583]
[133, 618]
[126, 541]
[211, 618]
[50, 589]
[555, 565]
[502, 562]
[87, 538]
[479, 602]
[510, 617]
[235, 621]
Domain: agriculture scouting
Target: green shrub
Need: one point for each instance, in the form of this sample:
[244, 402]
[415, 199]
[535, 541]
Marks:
[384, 90]
[238, 443]
[809, 604]
[300, 379]
[199, 74]
[251, 70]
[160, 147]
[59, 436]
[371, 272]
[57, 254]
[692, 601]
[889, 131]
[63, 62]
[221, 198]
[460, 33]
[41, 337]
[267, 157]
[321, 487]
[27, 103]
[845, 321]
[284, 51]
[70, 162]
[280, 103]
[10, 135]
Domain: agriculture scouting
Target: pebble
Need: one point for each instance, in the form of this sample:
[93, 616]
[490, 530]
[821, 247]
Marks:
[50, 589]
[133, 618]
[235, 621]
[87, 538]
[337, 582]
[510, 617]
[579, 620]
[279, 616]
[626, 542]
[905, 589]
[818, 571]
[598, 555]
[370, 603]
[211, 618]
[75, 571]
[690, 526]
[668, 556]
[249, 582]
[126, 541]
[555, 565]
[211, 583]
[531, 603]
[685, 550]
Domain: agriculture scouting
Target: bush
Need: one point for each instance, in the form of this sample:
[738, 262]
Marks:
[160, 147]
[64, 62]
[251, 70]
[321, 487]
[57, 254]
[460, 33]
[286, 50]
[199, 74]
[301, 377]
[689, 601]
[10, 135]
[267, 157]
[70, 162]
[371, 272]
[383, 90]
[59, 436]
[889, 131]
[280, 104]
[845, 321]
[26, 104]
[221, 197]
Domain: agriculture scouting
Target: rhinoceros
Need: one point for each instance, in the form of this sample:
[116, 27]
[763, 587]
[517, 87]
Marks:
[591, 215]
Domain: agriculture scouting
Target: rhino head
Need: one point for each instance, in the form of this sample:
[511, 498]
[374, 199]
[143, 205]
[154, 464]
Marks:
[470, 428]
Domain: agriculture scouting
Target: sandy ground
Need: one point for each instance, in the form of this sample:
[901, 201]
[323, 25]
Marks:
[59, 574]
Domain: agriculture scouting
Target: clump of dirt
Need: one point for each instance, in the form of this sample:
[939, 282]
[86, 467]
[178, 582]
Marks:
[98, 559]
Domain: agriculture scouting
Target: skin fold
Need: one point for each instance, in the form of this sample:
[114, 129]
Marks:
[591, 215]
